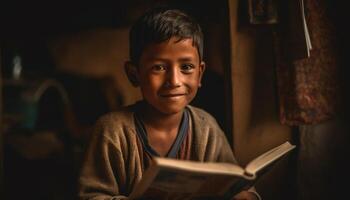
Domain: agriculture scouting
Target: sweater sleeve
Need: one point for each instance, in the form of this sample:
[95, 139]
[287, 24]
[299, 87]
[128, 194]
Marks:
[102, 173]
[225, 153]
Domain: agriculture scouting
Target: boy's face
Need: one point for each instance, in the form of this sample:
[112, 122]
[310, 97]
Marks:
[169, 74]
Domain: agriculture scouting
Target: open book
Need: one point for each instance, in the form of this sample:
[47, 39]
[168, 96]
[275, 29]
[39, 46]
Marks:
[178, 179]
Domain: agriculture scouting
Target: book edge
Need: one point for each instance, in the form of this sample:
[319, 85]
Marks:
[269, 156]
[201, 167]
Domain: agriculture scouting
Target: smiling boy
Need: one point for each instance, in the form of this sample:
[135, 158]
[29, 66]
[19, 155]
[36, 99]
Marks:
[169, 76]
[166, 62]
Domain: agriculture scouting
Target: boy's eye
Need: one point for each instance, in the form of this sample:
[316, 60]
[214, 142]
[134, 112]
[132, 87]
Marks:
[158, 68]
[187, 68]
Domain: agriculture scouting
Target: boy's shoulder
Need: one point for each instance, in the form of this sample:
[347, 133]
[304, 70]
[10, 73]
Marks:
[206, 128]
[201, 115]
[121, 116]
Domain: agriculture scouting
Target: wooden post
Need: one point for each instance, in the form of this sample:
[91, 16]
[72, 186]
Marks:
[255, 124]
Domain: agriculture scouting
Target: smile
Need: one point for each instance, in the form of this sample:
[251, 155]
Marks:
[171, 95]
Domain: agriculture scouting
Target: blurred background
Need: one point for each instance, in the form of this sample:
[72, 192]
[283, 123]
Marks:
[62, 66]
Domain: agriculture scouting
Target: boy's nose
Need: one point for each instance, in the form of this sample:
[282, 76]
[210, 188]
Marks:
[173, 78]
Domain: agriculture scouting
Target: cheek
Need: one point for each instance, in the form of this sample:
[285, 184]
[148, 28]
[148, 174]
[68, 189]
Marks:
[194, 81]
[192, 86]
[151, 83]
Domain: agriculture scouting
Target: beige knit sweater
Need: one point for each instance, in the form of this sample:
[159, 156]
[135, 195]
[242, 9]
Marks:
[113, 163]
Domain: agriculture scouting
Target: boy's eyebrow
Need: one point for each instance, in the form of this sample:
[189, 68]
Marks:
[183, 59]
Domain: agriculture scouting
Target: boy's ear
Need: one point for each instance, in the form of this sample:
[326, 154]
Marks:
[201, 72]
[131, 72]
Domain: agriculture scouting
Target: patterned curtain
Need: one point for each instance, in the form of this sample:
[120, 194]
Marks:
[308, 87]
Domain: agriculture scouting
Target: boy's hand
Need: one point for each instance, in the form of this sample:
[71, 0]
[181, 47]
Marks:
[245, 195]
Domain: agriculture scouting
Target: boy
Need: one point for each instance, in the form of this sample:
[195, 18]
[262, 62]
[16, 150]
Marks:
[166, 52]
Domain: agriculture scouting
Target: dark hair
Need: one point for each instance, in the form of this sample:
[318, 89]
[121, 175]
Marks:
[159, 25]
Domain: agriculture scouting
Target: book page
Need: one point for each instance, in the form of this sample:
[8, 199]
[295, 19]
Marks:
[170, 183]
[268, 157]
[178, 179]
[208, 167]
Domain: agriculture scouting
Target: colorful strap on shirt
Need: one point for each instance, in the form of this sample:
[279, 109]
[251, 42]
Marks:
[181, 135]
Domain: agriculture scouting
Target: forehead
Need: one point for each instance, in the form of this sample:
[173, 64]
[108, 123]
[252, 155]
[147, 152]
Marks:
[171, 49]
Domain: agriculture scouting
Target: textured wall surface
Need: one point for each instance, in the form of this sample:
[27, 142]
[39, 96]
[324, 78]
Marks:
[323, 160]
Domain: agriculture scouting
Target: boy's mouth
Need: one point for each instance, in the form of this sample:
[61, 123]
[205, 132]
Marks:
[172, 95]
